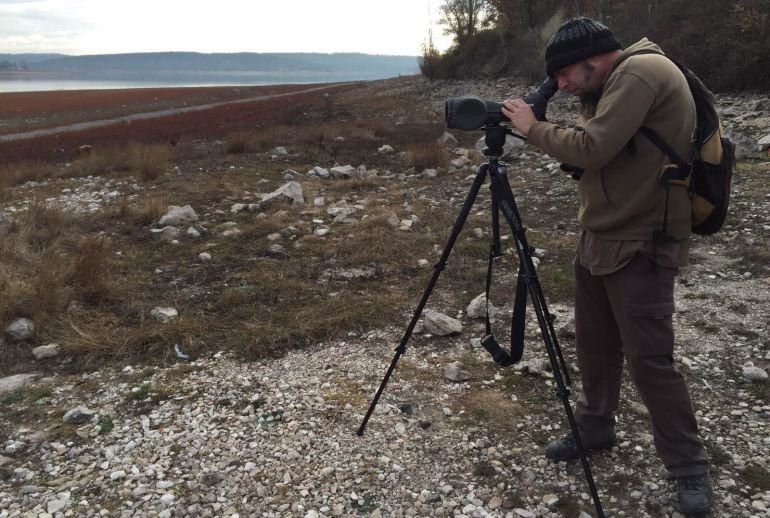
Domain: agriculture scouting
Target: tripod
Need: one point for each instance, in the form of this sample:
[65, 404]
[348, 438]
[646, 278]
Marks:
[502, 201]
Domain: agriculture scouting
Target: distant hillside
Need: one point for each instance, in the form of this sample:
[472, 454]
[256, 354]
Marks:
[26, 60]
[223, 66]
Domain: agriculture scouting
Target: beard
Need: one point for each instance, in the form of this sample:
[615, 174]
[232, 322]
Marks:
[589, 100]
[588, 103]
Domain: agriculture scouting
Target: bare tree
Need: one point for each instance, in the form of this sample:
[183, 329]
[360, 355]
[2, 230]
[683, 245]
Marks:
[463, 18]
[522, 14]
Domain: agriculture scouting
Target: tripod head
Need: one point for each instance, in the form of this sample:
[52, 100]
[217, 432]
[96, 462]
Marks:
[494, 139]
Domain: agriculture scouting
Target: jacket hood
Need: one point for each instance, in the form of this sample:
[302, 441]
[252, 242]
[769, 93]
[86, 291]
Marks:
[643, 46]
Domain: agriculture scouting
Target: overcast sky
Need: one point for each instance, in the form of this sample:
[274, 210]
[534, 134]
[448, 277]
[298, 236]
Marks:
[397, 27]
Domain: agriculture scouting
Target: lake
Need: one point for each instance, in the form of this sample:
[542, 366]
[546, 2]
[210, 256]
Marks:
[45, 82]
[46, 85]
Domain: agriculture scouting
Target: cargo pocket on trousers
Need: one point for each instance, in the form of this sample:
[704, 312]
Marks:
[652, 328]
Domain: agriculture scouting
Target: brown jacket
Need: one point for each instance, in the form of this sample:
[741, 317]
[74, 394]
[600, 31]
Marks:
[621, 197]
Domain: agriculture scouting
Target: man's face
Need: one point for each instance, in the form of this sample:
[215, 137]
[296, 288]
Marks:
[578, 79]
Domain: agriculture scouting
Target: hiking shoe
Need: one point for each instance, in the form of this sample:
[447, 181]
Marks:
[565, 449]
[695, 494]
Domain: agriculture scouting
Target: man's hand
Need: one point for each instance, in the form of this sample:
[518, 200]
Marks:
[520, 114]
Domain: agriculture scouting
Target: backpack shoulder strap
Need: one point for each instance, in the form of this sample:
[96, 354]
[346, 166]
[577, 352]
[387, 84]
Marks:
[683, 168]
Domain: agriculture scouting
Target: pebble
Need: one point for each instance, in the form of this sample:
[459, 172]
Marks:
[296, 453]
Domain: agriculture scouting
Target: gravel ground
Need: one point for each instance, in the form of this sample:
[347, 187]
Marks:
[221, 437]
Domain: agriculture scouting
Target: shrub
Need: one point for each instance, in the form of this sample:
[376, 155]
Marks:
[428, 156]
[239, 142]
[149, 160]
[90, 272]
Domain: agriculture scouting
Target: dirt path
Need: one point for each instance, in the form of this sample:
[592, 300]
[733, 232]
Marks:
[149, 115]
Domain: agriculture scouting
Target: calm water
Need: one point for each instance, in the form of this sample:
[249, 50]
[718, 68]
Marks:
[45, 85]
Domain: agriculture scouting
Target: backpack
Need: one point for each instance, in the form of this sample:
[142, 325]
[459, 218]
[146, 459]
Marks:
[709, 176]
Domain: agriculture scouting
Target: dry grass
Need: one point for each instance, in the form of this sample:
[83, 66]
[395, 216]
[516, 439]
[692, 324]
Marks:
[90, 273]
[240, 142]
[149, 160]
[90, 281]
[33, 265]
[14, 174]
[99, 161]
[429, 156]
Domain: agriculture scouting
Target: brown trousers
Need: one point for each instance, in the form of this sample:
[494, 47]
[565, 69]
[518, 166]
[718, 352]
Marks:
[629, 313]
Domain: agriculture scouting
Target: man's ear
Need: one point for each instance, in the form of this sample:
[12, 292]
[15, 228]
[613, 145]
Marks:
[593, 61]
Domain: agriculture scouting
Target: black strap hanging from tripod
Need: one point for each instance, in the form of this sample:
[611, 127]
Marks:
[500, 355]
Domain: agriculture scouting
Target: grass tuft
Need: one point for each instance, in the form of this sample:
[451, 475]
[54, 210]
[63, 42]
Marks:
[150, 161]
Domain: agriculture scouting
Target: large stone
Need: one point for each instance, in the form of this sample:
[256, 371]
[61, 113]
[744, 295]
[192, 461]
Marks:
[343, 172]
[291, 192]
[20, 329]
[46, 351]
[460, 162]
[179, 216]
[745, 146]
[441, 325]
[455, 372]
[15, 382]
[318, 172]
[447, 139]
[753, 373]
[169, 233]
[79, 415]
[478, 308]
[164, 315]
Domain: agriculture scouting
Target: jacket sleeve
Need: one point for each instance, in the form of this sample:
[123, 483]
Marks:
[622, 109]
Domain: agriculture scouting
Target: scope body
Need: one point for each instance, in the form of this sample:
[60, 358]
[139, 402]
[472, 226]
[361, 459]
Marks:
[469, 113]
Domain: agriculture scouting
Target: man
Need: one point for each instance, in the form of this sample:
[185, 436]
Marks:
[633, 240]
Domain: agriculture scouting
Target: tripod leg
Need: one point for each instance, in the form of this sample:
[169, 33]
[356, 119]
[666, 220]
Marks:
[501, 191]
[440, 266]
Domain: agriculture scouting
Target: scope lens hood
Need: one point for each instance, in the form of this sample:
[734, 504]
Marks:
[465, 113]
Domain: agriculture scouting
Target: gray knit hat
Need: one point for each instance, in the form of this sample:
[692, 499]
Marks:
[576, 40]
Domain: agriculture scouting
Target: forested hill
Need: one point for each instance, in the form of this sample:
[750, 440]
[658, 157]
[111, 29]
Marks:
[347, 65]
[726, 43]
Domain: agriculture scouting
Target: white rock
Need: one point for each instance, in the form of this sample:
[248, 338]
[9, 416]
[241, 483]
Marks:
[46, 351]
[318, 172]
[15, 382]
[79, 415]
[164, 315]
[291, 192]
[478, 308]
[178, 216]
[20, 329]
[55, 506]
[455, 372]
[343, 172]
[441, 325]
[752, 373]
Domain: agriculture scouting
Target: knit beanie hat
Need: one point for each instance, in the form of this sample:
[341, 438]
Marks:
[576, 40]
